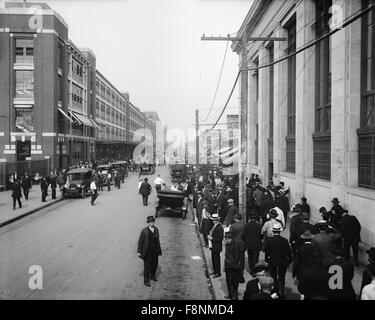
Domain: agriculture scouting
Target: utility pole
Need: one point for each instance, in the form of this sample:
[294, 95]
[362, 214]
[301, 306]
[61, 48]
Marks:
[197, 139]
[243, 154]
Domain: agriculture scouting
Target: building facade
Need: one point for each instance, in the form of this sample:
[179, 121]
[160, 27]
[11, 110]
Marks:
[55, 106]
[311, 115]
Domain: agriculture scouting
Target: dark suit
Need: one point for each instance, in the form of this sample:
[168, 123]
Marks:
[53, 181]
[279, 255]
[43, 188]
[252, 237]
[303, 258]
[232, 269]
[351, 231]
[237, 229]
[302, 228]
[149, 249]
[145, 191]
[217, 233]
[26, 185]
[314, 283]
[252, 287]
[231, 213]
[16, 194]
[199, 210]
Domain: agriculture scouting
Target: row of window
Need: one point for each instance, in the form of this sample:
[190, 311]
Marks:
[110, 133]
[110, 96]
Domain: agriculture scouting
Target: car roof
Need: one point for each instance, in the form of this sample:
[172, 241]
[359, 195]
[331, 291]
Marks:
[80, 170]
[105, 165]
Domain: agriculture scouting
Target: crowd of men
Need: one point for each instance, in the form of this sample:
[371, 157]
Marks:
[310, 250]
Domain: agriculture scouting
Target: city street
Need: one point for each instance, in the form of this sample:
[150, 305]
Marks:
[89, 252]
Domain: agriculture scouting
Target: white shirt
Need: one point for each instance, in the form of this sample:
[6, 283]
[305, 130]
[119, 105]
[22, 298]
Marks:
[173, 188]
[280, 215]
[93, 186]
[158, 180]
[368, 292]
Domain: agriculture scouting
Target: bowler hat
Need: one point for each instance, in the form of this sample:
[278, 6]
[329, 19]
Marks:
[276, 228]
[150, 219]
[215, 216]
[229, 234]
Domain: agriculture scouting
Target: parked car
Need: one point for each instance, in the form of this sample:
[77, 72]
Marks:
[105, 169]
[78, 183]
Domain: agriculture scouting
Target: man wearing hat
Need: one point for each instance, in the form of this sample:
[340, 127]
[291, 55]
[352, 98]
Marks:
[199, 206]
[253, 286]
[326, 242]
[337, 210]
[237, 228]
[16, 193]
[206, 222]
[216, 245]
[149, 250]
[351, 232]
[278, 255]
[232, 266]
[252, 237]
[304, 206]
[268, 226]
[145, 191]
[231, 213]
[305, 225]
[304, 254]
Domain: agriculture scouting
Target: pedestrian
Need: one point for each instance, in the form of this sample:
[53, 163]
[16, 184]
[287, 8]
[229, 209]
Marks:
[94, 191]
[216, 238]
[370, 269]
[278, 255]
[351, 231]
[326, 242]
[61, 180]
[206, 224]
[266, 285]
[336, 211]
[109, 180]
[231, 213]
[158, 182]
[267, 229]
[296, 221]
[304, 206]
[145, 191]
[149, 250]
[368, 291]
[258, 200]
[232, 266]
[199, 207]
[43, 188]
[16, 194]
[253, 287]
[305, 225]
[252, 237]
[267, 204]
[237, 228]
[26, 185]
[53, 183]
[100, 181]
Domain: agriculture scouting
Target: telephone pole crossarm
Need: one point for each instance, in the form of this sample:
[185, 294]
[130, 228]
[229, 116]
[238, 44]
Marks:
[204, 38]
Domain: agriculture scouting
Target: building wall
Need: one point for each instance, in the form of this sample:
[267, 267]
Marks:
[345, 111]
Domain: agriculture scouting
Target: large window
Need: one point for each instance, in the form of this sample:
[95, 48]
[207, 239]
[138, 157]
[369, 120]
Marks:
[24, 51]
[322, 135]
[291, 130]
[366, 133]
[24, 120]
[77, 70]
[24, 84]
[77, 96]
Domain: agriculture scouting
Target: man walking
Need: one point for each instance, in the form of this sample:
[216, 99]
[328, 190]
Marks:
[16, 194]
[252, 237]
[109, 178]
[158, 182]
[145, 191]
[53, 182]
[149, 250]
[351, 231]
[26, 185]
[231, 213]
[278, 255]
[94, 191]
[216, 238]
[43, 188]
[237, 228]
[232, 266]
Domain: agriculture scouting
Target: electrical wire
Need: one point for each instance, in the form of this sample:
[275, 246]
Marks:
[218, 82]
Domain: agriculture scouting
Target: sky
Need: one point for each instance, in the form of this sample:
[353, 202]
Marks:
[152, 49]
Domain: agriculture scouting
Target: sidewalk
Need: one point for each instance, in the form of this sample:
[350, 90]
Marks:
[220, 288]
[34, 204]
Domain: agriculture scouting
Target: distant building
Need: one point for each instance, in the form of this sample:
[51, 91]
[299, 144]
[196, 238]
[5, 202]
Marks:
[233, 121]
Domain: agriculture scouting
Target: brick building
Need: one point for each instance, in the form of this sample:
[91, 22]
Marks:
[312, 115]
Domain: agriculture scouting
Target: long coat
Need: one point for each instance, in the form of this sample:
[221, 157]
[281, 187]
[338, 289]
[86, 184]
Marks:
[145, 188]
[144, 242]
[304, 257]
[217, 238]
[17, 193]
[43, 185]
[252, 235]
[278, 252]
[351, 229]
[232, 257]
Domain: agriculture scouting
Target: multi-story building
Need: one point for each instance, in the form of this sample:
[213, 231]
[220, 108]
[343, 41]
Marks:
[311, 116]
[55, 106]
[158, 134]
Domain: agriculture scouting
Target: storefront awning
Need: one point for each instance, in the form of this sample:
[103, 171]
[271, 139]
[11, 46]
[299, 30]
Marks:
[64, 114]
[75, 118]
[86, 121]
[95, 124]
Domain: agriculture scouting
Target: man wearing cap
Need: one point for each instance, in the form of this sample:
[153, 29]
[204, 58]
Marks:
[145, 190]
[149, 250]
[304, 254]
[231, 213]
[351, 232]
[252, 237]
[206, 223]
[278, 255]
[232, 266]
[237, 228]
[216, 245]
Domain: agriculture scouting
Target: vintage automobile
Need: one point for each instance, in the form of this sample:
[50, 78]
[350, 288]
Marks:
[147, 168]
[178, 171]
[105, 169]
[77, 183]
[121, 165]
[171, 202]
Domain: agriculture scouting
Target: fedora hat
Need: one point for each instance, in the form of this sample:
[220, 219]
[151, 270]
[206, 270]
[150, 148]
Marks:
[276, 228]
[150, 219]
[215, 216]
[261, 266]
[238, 216]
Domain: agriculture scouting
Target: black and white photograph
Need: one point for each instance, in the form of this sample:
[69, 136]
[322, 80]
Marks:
[200, 151]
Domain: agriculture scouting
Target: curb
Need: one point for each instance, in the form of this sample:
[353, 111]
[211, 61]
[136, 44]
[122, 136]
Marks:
[28, 213]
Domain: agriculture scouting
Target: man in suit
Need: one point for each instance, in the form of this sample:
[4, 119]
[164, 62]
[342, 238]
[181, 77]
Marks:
[253, 287]
[216, 237]
[278, 255]
[220, 198]
[43, 188]
[231, 213]
[199, 206]
[326, 242]
[26, 185]
[149, 250]
[53, 182]
[304, 226]
[252, 237]
[145, 191]
[304, 254]
[336, 212]
[16, 194]
[351, 232]
[304, 206]
[232, 266]
[237, 228]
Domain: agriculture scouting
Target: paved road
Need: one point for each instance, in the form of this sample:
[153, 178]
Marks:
[90, 252]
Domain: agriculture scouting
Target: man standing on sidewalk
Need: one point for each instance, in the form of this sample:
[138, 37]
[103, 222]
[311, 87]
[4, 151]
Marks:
[94, 191]
[149, 250]
[16, 194]
[216, 245]
[26, 185]
[43, 188]
[232, 266]
[53, 182]
[351, 230]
